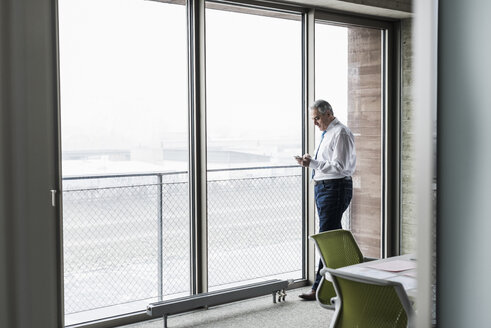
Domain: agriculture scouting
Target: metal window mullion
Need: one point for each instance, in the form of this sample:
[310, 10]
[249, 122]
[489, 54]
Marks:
[160, 238]
[197, 146]
[392, 148]
[308, 95]
[385, 226]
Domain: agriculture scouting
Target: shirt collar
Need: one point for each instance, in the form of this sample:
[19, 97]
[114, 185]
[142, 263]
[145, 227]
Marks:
[332, 124]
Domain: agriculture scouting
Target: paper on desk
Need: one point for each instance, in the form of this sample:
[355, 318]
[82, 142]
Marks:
[394, 266]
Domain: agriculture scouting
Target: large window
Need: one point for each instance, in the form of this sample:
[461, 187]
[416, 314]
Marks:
[129, 120]
[349, 70]
[123, 72]
[254, 118]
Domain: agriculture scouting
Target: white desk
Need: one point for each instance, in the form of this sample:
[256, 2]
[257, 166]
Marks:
[392, 269]
[398, 268]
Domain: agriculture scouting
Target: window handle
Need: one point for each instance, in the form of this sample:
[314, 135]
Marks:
[53, 197]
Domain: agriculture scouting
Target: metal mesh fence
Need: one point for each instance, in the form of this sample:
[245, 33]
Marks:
[254, 228]
[126, 238]
[115, 249]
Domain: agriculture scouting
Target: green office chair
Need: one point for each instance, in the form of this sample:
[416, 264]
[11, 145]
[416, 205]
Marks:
[369, 302]
[337, 248]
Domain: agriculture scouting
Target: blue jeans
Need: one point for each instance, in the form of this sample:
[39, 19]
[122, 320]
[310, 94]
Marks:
[332, 198]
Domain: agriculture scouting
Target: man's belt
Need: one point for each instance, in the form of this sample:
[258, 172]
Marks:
[327, 181]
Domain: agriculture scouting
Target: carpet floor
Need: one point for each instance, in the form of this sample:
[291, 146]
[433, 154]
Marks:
[257, 312]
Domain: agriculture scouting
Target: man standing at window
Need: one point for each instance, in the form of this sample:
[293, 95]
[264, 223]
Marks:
[332, 166]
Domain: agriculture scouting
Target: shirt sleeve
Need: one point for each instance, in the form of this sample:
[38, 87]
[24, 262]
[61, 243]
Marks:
[343, 146]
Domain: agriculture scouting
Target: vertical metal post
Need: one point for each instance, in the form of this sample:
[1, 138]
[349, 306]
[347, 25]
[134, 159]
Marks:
[308, 28]
[161, 242]
[391, 87]
[197, 146]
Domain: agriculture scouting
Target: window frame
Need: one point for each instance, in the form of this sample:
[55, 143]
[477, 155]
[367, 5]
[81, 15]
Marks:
[391, 129]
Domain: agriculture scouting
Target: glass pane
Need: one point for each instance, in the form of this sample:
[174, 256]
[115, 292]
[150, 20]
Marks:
[123, 72]
[348, 74]
[254, 101]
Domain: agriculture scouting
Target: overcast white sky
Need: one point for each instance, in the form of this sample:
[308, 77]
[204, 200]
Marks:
[123, 70]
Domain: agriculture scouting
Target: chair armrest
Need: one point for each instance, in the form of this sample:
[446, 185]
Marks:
[368, 259]
[324, 273]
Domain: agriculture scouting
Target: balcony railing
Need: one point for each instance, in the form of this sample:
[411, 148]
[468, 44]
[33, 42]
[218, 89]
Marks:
[127, 237]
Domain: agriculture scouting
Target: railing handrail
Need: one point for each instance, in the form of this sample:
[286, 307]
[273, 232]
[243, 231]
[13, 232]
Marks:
[128, 175]
[175, 183]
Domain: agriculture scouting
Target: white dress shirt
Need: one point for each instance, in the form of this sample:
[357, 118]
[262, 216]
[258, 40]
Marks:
[336, 156]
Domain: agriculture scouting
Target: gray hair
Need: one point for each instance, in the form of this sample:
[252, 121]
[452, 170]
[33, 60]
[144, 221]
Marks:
[322, 106]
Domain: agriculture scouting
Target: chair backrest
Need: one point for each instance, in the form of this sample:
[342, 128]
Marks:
[369, 303]
[337, 248]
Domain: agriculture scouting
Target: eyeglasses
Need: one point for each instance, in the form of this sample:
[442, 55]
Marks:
[318, 117]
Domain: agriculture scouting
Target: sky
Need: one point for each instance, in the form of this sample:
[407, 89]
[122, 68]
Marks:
[123, 77]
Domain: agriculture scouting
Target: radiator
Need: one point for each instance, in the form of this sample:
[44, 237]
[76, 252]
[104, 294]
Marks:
[204, 300]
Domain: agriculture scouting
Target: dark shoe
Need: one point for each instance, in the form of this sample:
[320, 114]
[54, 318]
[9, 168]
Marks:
[310, 296]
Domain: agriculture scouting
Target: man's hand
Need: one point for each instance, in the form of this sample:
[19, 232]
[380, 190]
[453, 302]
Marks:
[304, 160]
